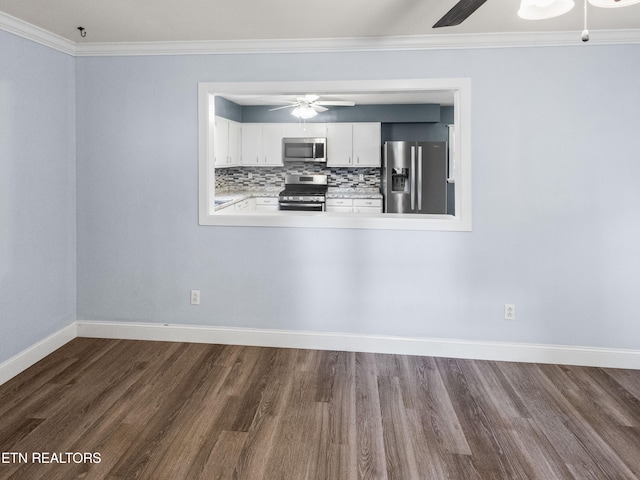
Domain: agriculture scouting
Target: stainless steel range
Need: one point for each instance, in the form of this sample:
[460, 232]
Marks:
[304, 193]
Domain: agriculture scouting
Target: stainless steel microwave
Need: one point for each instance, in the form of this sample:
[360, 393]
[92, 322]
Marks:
[304, 150]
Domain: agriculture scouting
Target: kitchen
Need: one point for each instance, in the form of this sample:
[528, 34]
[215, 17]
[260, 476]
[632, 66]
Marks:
[264, 153]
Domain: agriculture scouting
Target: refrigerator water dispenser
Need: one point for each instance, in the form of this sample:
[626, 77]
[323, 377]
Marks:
[400, 180]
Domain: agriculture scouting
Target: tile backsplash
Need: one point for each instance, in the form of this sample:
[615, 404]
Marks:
[237, 178]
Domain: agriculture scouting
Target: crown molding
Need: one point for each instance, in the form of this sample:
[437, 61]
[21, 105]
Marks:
[409, 42]
[39, 35]
[304, 45]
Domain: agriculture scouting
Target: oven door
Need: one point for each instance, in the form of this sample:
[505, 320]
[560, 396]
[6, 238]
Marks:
[302, 207]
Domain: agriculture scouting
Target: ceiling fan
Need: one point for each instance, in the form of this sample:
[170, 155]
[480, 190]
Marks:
[308, 106]
[529, 9]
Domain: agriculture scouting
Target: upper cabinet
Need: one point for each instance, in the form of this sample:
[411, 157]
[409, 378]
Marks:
[353, 144]
[226, 143]
[262, 144]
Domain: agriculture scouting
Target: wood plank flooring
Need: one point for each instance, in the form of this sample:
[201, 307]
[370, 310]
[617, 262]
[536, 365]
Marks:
[157, 410]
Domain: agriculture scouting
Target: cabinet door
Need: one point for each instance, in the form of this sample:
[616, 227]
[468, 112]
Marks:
[252, 144]
[339, 145]
[367, 205]
[366, 145]
[271, 144]
[221, 142]
[234, 143]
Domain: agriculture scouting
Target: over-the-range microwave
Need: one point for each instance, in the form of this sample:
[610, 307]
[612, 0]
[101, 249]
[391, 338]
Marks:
[304, 149]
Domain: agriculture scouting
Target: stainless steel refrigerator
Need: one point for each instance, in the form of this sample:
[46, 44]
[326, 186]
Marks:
[414, 177]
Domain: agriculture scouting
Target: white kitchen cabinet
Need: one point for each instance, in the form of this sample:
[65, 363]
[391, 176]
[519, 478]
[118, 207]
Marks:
[339, 145]
[353, 144]
[367, 205]
[261, 144]
[226, 145]
[366, 145]
[251, 144]
[272, 144]
[354, 205]
[267, 204]
[244, 206]
[339, 205]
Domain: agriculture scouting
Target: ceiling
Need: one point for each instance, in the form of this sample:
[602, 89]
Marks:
[232, 20]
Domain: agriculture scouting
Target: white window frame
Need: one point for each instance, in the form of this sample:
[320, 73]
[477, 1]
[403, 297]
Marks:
[461, 221]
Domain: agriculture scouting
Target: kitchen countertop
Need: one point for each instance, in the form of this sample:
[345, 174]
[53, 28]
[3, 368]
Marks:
[337, 192]
[225, 198]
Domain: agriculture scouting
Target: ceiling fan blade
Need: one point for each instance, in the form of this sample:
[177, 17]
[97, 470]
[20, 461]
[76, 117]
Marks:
[339, 103]
[318, 108]
[459, 13]
[286, 106]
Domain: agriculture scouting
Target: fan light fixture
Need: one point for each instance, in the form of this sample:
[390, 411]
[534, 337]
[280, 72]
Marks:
[529, 9]
[543, 9]
[304, 112]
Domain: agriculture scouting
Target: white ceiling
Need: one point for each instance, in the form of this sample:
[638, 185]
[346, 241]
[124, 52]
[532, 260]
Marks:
[216, 20]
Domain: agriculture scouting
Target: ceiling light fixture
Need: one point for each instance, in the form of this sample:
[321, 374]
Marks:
[529, 9]
[304, 112]
[543, 9]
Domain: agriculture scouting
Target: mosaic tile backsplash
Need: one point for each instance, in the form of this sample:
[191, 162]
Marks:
[237, 178]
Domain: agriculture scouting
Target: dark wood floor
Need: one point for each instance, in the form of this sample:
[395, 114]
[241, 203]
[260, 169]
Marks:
[158, 410]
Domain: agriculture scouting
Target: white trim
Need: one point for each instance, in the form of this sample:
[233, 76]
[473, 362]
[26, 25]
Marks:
[442, 41]
[461, 221]
[434, 347]
[39, 35]
[23, 360]
[439, 41]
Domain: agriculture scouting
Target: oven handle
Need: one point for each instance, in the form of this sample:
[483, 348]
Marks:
[317, 204]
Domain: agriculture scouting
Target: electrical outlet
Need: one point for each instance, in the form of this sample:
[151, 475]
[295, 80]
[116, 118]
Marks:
[509, 311]
[249, 175]
[361, 177]
[195, 297]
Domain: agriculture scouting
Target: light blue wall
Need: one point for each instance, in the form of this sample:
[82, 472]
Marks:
[556, 229]
[37, 193]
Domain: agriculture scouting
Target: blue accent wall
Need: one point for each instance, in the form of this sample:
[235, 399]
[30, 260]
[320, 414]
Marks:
[357, 113]
[228, 109]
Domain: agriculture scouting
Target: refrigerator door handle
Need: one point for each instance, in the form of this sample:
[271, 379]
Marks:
[451, 155]
[412, 178]
[420, 177]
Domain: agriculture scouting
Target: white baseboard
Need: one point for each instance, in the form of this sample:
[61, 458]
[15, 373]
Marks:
[434, 347]
[23, 360]
[513, 352]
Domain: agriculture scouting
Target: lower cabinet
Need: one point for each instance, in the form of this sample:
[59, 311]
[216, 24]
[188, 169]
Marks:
[354, 205]
[266, 204]
[367, 205]
[335, 205]
[243, 206]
